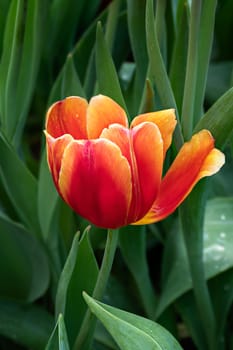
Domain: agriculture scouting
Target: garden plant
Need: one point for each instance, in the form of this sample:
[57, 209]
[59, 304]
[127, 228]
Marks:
[116, 165]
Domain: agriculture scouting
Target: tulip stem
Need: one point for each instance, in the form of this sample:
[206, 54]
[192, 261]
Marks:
[204, 51]
[157, 70]
[191, 70]
[85, 336]
[192, 217]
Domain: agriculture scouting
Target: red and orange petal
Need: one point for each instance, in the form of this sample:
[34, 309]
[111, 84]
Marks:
[197, 158]
[67, 116]
[143, 147]
[95, 180]
[55, 150]
[102, 112]
[165, 120]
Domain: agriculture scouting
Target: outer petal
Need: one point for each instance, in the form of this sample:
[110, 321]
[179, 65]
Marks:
[102, 112]
[196, 159]
[143, 147]
[95, 180]
[165, 120]
[68, 117]
[55, 150]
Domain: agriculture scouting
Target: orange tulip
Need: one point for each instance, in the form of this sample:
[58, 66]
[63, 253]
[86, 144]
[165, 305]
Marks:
[112, 174]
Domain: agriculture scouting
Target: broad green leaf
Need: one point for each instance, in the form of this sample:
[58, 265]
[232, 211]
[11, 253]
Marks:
[186, 306]
[3, 15]
[20, 185]
[108, 82]
[29, 64]
[10, 61]
[222, 296]
[58, 339]
[218, 246]
[73, 281]
[23, 263]
[192, 221]
[20, 63]
[132, 240]
[47, 197]
[218, 119]
[28, 325]
[103, 339]
[131, 331]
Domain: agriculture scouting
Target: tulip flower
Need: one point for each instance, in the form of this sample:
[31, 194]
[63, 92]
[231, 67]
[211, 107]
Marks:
[112, 174]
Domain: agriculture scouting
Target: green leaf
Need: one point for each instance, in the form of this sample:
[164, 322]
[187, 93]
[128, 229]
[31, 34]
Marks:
[205, 43]
[222, 296]
[67, 82]
[219, 80]
[147, 101]
[58, 339]
[186, 306]
[136, 27]
[108, 82]
[23, 263]
[158, 70]
[30, 60]
[28, 325]
[3, 15]
[47, 197]
[10, 61]
[20, 63]
[218, 119]
[103, 340]
[73, 281]
[132, 240]
[66, 15]
[156, 62]
[23, 193]
[218, 246]
[179, 56]
[131, 331]
[83, 49]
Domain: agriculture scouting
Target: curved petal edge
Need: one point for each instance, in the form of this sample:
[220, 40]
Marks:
[197, 158]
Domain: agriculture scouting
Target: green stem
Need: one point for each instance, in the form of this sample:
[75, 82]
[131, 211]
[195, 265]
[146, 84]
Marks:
[160, 26]
[157, 70]
[191, 70]
[85, 336]
[112, 19]
[137, 35]
[204, 51]
[192, 217]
